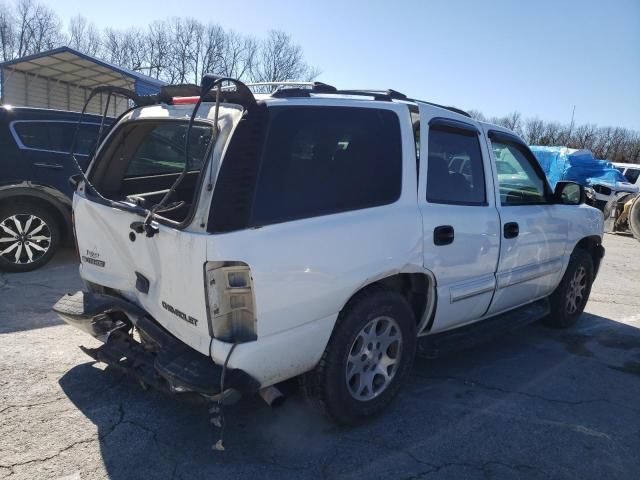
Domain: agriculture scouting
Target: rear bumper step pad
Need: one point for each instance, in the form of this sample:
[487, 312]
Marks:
[162, 361]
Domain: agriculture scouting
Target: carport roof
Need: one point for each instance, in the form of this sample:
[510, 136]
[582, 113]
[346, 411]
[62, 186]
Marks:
[65, 64]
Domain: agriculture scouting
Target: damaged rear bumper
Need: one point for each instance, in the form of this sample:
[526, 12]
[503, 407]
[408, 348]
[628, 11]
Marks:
[159, 359]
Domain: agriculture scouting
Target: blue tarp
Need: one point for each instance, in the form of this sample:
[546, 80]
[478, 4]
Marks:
[562, 163]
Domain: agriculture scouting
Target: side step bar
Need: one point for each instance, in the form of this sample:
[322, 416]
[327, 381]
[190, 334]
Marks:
[483, 331]
[159, 360]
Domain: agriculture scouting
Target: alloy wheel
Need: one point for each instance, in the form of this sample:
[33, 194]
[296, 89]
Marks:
[374, 358]
[24, 238]
[576, 290]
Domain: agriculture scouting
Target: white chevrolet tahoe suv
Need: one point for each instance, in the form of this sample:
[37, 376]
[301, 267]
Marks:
[231, 241]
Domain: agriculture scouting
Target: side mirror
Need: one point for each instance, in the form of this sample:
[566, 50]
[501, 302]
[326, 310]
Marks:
[569, 193]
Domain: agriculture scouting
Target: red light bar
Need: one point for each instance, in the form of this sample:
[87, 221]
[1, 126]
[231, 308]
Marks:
[184, 100]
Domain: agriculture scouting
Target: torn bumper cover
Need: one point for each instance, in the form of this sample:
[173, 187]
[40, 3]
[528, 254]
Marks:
[160, 360]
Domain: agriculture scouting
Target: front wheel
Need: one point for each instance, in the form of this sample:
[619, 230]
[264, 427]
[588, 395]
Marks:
[570, 296]
[29, 236]
[368, 357]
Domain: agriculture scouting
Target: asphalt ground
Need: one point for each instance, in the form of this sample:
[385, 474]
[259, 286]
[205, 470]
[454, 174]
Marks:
[535, 403]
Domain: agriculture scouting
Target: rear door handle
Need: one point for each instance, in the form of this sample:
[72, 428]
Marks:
[511, 230]
[443, 235]
[52, 166]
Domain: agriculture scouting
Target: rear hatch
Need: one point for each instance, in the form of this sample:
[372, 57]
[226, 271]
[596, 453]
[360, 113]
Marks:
[159, 266]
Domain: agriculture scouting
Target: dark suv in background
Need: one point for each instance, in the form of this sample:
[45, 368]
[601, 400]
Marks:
[35, 193]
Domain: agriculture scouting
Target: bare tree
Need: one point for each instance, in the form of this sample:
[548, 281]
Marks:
[7, 32]
[512, 121]
[280, 59]
[584, 136]
[533, 131]
[180, 50]
[39, 28]
[239, 56]
[84, 36]
[185, 38]
[158, 48]
[477, 115]
[126, 48]
[210, 52]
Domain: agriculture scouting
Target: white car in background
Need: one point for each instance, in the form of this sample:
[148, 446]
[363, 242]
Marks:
[605, 191]
[631, 171]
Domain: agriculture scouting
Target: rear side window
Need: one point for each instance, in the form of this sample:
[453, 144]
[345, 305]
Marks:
[455, 173]
[56, 136]
[161, 150]
[323, 160]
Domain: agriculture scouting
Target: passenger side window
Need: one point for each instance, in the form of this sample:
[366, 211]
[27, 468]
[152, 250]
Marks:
[324, 160]
[520, 182]
[57, 136]
[33, 134]
[455, 173]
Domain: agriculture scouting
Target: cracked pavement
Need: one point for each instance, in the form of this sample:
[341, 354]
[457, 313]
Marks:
[533, 404]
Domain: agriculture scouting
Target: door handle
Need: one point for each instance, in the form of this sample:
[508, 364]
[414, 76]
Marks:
[443, 235]
[511, 230]
[53, 166]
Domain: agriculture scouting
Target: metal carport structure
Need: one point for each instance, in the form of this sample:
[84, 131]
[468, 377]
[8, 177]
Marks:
[63, 78]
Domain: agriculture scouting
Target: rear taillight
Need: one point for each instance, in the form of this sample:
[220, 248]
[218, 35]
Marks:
[230, 301]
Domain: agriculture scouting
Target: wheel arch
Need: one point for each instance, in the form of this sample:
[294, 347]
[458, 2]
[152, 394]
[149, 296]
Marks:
[593, 245]
[416, 285]
[53, 200]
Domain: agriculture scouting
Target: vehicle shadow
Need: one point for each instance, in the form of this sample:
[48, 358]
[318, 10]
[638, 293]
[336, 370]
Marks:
[526, 404]
[27, 297]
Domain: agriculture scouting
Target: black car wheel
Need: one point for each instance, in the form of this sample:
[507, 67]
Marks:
[570, 297]
[368, 357]
[29, 237]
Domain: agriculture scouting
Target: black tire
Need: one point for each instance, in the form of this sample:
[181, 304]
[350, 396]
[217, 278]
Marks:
[564, 311]
[326, 387]
[32, 254]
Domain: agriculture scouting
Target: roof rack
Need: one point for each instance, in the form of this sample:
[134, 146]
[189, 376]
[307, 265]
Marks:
[291, 89]
[280, 84]
[305, 89]
[377, 94]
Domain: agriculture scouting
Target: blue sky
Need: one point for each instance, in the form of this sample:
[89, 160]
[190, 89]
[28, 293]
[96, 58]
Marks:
[540, 57]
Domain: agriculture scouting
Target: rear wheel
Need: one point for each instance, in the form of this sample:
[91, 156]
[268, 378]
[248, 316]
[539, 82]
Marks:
[368, 357]
[29, 236]
[570, 297]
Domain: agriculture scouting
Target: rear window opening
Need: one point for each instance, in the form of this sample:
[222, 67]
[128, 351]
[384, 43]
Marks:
[143, 159]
